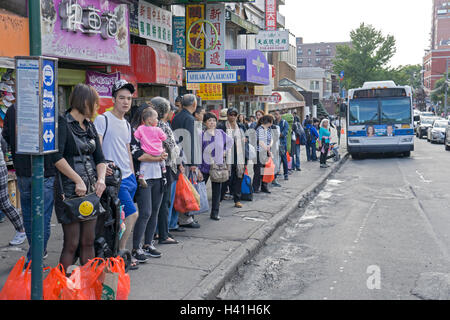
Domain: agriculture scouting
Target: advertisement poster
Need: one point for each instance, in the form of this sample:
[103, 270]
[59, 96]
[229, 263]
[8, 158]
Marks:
[382, 130]
[210, 91]
[154, 23]
[103, 83]
[92, 30]
[195, 34]
[215, 14]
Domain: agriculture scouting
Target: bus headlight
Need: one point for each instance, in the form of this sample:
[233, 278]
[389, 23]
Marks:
[408, 139]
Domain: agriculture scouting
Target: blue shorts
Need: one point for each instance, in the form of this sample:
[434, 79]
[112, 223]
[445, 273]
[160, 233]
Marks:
[127, 190]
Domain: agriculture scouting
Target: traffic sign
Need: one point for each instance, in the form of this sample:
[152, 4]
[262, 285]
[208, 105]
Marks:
[341, 75]
[37, 105]
[277, 97]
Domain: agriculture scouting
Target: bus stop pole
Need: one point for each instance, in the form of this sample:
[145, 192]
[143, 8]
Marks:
[37, 183]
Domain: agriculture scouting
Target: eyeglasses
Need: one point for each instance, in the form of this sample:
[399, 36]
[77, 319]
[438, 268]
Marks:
[233, 115]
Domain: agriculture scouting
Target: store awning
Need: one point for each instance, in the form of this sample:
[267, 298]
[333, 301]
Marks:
[7, 63]
[153, 66]
[246, 26]
[251, 65]
[287, 101]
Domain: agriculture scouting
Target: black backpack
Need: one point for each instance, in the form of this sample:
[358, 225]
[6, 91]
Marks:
[308, 135]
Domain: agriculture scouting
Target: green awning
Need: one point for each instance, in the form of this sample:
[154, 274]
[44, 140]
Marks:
[244, 24]
[71, 77]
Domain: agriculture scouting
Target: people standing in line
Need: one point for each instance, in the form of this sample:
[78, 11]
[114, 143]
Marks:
[215, 143]
[115, 135]
[172, 112]
[298, 138]
[183, 126]
[76, 133]
[178, 104]
[162, 107]
[306, 121]
[263, 146]
[276, 132]
[284, 130]
[324, 142]
[311, 137]
[199, 113]
[236, 156]
[22, 165]
[148, 198]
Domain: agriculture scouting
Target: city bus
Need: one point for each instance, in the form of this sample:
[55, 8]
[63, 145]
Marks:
[380, 119]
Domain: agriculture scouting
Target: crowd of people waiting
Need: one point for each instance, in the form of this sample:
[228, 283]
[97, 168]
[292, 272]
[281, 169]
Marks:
[151, 146]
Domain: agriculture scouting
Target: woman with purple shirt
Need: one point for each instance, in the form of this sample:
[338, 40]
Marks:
[215, 143]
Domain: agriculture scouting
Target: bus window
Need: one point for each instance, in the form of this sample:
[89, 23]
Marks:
[363, 111]
[395, 110]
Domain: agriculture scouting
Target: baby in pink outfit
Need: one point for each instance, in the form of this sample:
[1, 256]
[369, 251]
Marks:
[151, 138]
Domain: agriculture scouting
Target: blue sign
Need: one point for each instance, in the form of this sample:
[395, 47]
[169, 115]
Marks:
[48, 105]
[341, 75]
[211, 76]
[179, 36]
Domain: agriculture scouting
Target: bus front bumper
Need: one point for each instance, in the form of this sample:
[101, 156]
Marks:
[380, 148]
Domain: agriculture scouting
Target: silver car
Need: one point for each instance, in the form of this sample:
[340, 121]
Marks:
[436, 133]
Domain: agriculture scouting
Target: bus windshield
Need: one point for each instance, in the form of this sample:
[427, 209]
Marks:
[363, 111]
[395, 110]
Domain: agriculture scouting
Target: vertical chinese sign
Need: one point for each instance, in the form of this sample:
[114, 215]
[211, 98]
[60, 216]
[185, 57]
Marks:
[155, 23]
[195, 35]
[215, 14]
[271, 15]
[179, 37]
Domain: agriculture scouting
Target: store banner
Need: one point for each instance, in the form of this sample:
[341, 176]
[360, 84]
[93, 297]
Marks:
[92, 30]
[272, 41]
[102, 82]
[179, 36]
[210, 91]
[134, 18]
[154, 23]
[271, 14]
[14, 35]
[195, 36]
[215, 35]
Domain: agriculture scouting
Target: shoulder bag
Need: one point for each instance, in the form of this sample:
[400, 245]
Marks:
[82, 208]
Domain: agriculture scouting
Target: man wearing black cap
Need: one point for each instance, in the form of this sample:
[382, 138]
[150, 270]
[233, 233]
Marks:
[115, 135]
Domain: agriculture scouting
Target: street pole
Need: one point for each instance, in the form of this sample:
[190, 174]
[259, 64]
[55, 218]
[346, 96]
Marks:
[37, 184]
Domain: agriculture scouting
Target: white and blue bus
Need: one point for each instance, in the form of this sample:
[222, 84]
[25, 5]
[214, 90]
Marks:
[380, 119]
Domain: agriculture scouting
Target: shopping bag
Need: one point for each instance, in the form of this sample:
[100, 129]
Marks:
[110, 284]
[247, 187]
[18, 283]
[200, 187]
[194, 192]
[289, 160]
[56, 286]
[89, 278]
[185, 200]
[117, 266]
[269, 171]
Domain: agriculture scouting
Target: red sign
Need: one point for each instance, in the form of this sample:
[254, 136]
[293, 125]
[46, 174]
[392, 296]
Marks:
[153, 65]
[271, 14]
[277, 97]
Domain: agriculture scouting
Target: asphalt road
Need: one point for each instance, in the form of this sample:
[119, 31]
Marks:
[379, 230]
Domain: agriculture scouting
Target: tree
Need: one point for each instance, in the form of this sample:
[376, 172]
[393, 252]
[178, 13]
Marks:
[366, 58]
[438, 94]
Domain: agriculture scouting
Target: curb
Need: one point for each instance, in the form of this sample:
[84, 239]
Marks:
[211, 285]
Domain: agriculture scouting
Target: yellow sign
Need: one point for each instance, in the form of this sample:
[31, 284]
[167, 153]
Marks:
[193, 86]
[210, 91]
[195, 35]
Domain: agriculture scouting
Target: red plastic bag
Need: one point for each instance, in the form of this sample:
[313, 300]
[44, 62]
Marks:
[18, 284]
[185, 200]
[123, 287]
[57, 286]
[269, 171]
[89, 278]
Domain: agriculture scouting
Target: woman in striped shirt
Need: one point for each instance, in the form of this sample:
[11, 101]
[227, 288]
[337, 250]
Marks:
[264, 143]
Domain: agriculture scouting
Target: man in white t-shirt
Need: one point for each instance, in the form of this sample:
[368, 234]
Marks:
[115, 136]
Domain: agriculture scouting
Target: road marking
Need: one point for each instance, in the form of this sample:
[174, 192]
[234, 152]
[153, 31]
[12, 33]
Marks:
[422, 177]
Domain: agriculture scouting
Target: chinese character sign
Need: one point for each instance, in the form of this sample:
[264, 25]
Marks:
[272, 40]
[195, 34]
[90, 30]
[215, 58]
[179, 36]
[271, 14]
[210, 91]
[154, 23]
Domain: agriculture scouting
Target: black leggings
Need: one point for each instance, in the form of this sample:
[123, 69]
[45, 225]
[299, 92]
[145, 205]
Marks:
[76, 234]
[323, 155]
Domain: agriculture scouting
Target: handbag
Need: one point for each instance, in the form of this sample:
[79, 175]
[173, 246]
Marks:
[200, 186]
[219, 173]
[82, 208]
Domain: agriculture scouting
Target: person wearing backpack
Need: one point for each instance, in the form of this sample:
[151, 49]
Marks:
[311, 136]
[298, 139]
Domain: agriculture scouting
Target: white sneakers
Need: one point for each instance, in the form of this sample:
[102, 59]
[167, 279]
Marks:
[19, 238]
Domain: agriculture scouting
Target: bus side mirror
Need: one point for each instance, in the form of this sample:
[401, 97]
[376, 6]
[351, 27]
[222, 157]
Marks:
[343, 108]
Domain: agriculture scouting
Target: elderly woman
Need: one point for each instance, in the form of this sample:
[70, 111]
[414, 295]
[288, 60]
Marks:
[324, 142]
[148, 199]
[162, 107]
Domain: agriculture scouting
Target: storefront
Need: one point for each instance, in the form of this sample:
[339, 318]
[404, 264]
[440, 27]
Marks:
[253, 71]
[157, 72]
[288, 101]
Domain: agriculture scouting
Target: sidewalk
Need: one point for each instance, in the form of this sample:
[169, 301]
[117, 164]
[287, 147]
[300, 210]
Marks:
[205, 258]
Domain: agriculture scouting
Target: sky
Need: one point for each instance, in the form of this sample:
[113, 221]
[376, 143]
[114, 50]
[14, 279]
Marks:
[409, 21]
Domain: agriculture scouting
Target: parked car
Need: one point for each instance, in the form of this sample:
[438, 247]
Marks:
[423, 125]
[447, 138]
[427, 114]
[436, 133]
